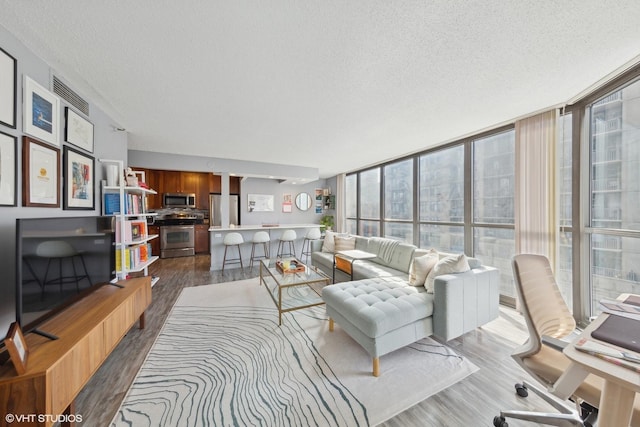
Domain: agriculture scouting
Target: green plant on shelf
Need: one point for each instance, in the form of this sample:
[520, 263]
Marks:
[327, 221]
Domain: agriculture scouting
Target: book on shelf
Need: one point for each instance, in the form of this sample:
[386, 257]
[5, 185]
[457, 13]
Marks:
[111, 203]
[134, 230]
[134, 256]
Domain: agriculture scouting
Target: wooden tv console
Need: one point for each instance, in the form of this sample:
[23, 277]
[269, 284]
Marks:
[57, 370]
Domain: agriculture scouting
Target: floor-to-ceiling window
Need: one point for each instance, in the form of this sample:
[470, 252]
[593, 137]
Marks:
[493, 204]
[398, 200]
[369, 202]
[441, 199]
[613, 231]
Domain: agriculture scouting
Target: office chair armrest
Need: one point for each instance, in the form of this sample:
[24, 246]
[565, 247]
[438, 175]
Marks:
[554, 343]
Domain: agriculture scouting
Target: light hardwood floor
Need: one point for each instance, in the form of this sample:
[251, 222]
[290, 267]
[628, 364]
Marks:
[471, 402]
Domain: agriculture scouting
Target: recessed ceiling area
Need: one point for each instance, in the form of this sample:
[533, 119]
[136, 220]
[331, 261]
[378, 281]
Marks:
[330, 85]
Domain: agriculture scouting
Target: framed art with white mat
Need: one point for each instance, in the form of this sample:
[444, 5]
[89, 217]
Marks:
[17, 347]
[41, 112]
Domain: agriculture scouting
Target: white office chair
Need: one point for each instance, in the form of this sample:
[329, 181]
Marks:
[547, 315]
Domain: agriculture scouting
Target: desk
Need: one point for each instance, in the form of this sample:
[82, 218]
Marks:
[621, 384]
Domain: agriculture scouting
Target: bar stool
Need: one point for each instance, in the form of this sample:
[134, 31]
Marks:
[61, 250]
[288, 236]
[259, 238]
[312, 234]
[232, 239]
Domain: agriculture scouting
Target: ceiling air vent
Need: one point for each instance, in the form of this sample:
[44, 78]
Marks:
[64, 92]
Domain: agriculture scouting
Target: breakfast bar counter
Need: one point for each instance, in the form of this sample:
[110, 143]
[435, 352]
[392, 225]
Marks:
[217, 234]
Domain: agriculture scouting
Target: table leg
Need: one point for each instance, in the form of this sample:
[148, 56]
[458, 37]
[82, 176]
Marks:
[616, 405]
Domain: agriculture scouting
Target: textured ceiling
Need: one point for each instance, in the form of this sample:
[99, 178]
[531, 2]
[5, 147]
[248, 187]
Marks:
[335, 85]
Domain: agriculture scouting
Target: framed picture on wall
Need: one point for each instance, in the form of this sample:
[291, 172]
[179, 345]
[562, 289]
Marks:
[8, 169]
[40, 174]
[79, 178]
[8, 88]
[41, 112]
[78, 130]
[260, 202]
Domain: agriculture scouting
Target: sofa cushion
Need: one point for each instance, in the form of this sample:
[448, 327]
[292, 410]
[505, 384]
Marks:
[328, 245]
[421, 266]
[450, 264]
[378, 306]
[344, 243]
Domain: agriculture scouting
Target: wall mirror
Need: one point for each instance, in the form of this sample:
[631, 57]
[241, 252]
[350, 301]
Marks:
[303, 201]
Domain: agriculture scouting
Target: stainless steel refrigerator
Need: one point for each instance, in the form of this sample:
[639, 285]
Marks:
[215, 210]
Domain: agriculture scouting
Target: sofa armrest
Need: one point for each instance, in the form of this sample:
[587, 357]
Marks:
[316, 245]
[465, 301]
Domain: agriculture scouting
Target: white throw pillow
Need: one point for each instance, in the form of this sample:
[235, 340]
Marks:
[344, 243]
[421, 266]
[447, 265]
[328, 245]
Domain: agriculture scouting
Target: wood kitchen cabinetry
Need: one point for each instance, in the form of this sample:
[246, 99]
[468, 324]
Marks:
[202, 238]
[200, 183]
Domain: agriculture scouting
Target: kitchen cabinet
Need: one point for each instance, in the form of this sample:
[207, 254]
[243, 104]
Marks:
[153, 177]
[155, 243]
[202, 238]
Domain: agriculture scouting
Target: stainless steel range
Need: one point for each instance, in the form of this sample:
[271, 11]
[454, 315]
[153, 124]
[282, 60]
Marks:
[177, 233]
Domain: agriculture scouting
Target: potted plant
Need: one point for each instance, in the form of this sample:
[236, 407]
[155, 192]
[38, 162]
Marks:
[327, 222]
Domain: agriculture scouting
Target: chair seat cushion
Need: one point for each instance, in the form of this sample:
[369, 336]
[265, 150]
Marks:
[380, 305]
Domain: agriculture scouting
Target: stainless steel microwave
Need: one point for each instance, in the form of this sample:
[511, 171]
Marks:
[178, 200]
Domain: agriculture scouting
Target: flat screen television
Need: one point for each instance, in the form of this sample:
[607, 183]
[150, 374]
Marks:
[36, 298]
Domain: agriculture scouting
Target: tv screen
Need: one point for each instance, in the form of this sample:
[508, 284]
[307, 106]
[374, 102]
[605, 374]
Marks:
[59, 260]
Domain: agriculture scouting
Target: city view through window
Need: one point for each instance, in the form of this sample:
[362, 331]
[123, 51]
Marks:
[441, 213]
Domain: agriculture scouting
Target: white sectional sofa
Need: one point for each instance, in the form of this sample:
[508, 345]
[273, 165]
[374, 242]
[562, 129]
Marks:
[383, 312]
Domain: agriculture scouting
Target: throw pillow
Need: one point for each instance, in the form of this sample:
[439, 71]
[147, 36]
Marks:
[421, 266]
[447, 265]
[328, 245]
[344, 243]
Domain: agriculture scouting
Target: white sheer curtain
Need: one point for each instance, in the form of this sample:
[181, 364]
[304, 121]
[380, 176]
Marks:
[535, 195]
[340, 222]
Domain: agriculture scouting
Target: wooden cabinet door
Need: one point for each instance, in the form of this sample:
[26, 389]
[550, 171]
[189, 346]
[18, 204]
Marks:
[189, 182]
[202, 193]
[234, 185]
[154, 201]
[202, 239]
[171, 182]
[155, 243]
[215, 184]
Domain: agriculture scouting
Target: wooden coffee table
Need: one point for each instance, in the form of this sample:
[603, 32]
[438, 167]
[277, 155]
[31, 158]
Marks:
[292, 291]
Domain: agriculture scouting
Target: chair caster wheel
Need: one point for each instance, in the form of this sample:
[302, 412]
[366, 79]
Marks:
[521, 390]
[499, 421]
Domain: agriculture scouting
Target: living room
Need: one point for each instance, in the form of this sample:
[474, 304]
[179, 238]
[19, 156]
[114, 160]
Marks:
[286, 122]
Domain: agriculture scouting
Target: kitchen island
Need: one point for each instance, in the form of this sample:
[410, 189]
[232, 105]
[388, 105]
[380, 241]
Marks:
[217, 234]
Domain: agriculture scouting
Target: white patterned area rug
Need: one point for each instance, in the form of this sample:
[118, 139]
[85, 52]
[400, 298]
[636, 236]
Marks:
[222, 360]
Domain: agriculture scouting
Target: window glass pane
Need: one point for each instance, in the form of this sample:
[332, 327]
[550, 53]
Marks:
[370, 194]
[564, 160]
[398, 190]
[442, 185]
[399, 231]
[616, 267]
[369, 228]
[444, 238]
[495, 247]
[615, 160]
[352, 226]
[494, 179]
[564, 274]
[351, 194]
